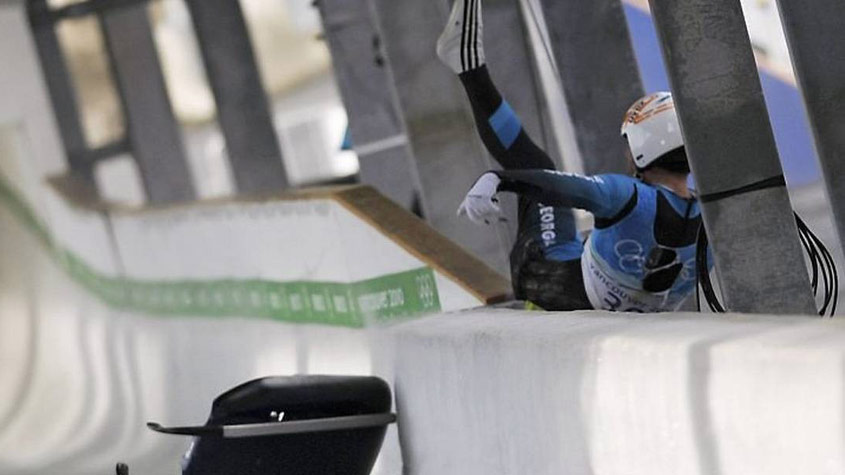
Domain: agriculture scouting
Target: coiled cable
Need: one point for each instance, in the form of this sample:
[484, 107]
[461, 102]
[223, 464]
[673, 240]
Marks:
[822, 267]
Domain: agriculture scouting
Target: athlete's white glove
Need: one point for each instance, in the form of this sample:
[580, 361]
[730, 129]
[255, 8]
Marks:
[481, 204]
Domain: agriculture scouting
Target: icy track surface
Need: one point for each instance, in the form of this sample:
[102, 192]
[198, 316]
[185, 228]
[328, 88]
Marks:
[78, 380]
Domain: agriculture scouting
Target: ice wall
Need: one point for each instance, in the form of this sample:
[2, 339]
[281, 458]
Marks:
[503, 392]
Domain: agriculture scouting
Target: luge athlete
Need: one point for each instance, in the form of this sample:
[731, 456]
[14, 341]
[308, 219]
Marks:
[641, 255]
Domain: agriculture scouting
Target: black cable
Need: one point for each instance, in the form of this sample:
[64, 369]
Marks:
[707, 285]
[835, 298]
[824, 264]
[832, 280]
[704, 273]
[817, 263]
[830, 277]
[823, 269]
[813, 262]
[697, 292]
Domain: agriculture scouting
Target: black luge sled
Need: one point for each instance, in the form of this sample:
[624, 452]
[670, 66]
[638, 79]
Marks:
[298, 425]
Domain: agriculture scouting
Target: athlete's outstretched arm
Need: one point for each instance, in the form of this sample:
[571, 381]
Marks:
[602, 195]
[605, 196]
[461, 48]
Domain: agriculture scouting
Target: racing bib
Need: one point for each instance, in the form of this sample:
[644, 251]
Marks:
[607, 292]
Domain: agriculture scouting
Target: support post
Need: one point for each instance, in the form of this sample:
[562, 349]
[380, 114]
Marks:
[152, 129]
[242, 105]
[599, 75]
[448, 153]
[366, 85]
[512, 64]
[60, 87]
[732, 152]
[817, 45]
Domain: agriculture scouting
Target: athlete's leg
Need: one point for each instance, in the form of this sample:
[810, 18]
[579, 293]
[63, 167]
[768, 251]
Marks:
[545, 261]
[461, 48]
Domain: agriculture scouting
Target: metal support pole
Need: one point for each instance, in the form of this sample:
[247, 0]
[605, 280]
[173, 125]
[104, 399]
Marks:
[366, 85]
[732, 152]
[151, 126]
[511, 61]
[816, 40]
[599, 75]
[61, 91]
[449, 155]
[242, 105]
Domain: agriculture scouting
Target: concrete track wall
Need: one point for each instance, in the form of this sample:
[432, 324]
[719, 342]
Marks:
[503, 392]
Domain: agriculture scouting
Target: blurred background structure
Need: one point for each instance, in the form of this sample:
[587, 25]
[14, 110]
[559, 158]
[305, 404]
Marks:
[291, 63]
[283, 47]
[164, 163]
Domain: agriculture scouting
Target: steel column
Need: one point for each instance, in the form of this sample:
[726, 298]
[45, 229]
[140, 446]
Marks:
[599, 75]
[512, 65]
[152, 129]
[60, 87]
[366, 85]
[242, 105]
[732, 151]
[816, 40]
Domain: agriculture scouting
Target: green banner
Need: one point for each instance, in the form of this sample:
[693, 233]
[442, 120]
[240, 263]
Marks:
[356, 304]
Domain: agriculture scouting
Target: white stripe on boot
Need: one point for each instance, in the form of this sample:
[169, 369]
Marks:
[460, 46]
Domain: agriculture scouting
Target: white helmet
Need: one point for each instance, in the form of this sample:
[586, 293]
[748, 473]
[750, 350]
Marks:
[652, 128]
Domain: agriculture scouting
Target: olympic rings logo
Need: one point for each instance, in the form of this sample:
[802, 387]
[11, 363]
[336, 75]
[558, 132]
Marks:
[631, 256]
